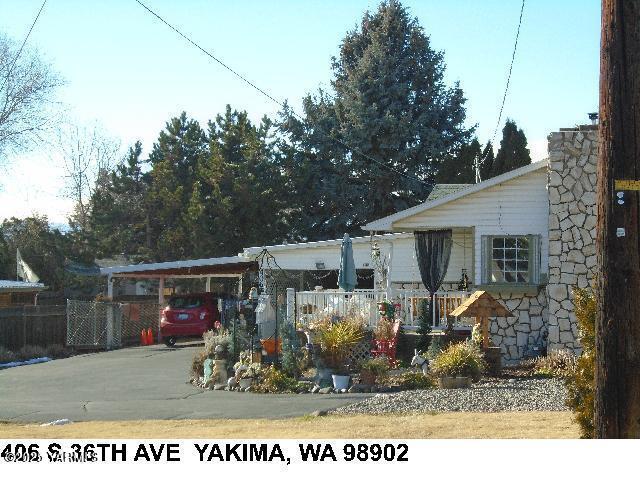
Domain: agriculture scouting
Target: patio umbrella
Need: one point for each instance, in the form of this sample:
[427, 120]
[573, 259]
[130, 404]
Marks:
[347, 279]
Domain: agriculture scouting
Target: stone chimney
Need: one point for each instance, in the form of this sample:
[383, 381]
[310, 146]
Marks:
[573, 154]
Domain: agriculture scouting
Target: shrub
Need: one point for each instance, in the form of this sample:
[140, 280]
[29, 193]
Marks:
[412, 380]
[272, 380]
[214, 338]
[373, 370]
[558, 364]
[436, 346]
[197, 365]
[581, 379]
[30, 352]
[292, 354]
[6, 355]
[459, 360]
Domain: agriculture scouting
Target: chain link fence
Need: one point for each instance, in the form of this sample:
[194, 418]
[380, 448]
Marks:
[105, 325]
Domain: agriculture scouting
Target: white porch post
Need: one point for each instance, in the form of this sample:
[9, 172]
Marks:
[161, 303]
[389, 272]
[207, 286]
[239, 286]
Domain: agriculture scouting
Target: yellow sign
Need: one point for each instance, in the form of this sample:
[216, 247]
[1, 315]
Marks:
[633, 185]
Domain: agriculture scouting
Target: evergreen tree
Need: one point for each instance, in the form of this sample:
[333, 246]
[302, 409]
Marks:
[513, 152]
[175, 160]
[424, 326]
[243, 187]
[390, 103]
[487, 160]
[118, 220]
[461, 167]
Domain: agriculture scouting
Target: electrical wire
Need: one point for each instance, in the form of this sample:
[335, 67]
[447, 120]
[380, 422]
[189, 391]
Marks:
[276, 101]
[506, 88]
[24, 42]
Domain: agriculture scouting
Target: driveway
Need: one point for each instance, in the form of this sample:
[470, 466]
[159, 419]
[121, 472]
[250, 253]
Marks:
[138, 383]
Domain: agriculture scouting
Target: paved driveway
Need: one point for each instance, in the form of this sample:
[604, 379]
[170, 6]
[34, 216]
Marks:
[137, 383]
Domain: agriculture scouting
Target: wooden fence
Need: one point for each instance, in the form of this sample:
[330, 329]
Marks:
[32, 325]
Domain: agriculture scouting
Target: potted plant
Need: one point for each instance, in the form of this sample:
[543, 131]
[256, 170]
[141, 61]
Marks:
[458, 365]
[372, 370]
[336, 341]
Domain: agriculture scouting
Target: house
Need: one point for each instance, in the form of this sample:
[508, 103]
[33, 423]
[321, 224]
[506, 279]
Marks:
[527, 236]
[533, 236]
[18, 293]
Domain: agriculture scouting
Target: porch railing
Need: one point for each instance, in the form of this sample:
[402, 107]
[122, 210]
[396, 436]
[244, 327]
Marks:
[446, 302]
[312, 305]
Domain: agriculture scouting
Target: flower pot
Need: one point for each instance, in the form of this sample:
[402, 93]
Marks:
[340, 382]
[454, 383]
[245, 382]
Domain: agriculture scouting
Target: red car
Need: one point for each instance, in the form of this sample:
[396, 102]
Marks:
[189, 315]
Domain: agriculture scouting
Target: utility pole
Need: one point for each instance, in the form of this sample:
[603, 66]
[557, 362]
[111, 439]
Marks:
[617, 371]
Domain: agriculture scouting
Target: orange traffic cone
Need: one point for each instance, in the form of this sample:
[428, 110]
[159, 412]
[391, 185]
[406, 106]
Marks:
[143, 337]
[149, 336]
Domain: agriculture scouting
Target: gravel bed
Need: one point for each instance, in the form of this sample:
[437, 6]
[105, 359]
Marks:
[486, 396]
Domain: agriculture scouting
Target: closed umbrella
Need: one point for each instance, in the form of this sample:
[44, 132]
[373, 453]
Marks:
[347, 279]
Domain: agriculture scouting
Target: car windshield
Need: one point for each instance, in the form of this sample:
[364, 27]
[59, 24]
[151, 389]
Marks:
[186, 302]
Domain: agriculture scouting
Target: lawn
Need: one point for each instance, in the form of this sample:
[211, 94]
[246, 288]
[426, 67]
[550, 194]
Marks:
[453, 425]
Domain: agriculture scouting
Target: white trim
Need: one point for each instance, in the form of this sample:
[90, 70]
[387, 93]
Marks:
[191, 263]
[386, 223]
[256, 250]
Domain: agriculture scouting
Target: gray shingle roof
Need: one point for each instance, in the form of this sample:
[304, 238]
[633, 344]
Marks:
[443, 189]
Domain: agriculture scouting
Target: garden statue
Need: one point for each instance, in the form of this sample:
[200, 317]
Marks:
[420, 361]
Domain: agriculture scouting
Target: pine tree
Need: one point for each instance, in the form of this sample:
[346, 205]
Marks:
[461, 167]
[424, 326]
[175, 159]
[390, 103]
[486, 162]
[513, 152]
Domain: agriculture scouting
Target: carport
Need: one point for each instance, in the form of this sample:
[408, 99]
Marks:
[223, 267]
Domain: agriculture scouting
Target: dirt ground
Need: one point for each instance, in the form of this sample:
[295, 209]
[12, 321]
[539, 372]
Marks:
[455, 425]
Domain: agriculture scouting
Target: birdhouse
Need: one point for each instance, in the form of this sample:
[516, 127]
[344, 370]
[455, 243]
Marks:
[482, 306]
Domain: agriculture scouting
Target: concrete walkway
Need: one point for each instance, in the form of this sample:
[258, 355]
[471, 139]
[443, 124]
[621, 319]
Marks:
[138, 383]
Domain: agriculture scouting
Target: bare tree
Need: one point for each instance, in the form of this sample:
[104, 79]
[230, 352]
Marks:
[27, 87]
[89, 155]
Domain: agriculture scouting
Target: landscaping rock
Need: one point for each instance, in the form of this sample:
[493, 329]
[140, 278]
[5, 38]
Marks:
[318, 413]
[219, 387]
[326, 390]
[531, 394]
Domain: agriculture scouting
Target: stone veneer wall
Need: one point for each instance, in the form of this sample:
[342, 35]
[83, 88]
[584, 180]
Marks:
[527, 329]
[572, 228]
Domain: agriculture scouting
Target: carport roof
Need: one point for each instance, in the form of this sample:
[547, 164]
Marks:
[191, 267]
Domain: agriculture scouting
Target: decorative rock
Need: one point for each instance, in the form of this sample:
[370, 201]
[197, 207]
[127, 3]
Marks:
[318, 413]
[326, 390]
[219, 387]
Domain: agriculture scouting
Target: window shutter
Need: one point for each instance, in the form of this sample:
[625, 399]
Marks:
[534, 259]
[486, 259]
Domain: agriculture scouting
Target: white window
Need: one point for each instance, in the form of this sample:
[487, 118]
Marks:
[511, 260]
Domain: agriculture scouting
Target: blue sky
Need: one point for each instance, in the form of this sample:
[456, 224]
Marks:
[130, 74]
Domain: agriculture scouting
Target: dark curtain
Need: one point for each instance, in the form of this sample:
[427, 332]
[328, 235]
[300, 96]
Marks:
[433, 250]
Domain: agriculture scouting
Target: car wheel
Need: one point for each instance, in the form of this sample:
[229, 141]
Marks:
[170, 341]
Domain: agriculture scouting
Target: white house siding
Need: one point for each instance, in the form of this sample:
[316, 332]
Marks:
[516, 207]
[399, 247]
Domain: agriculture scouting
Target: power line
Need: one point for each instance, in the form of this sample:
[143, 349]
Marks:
[13, 64]
[506, 88]
[273, 99]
